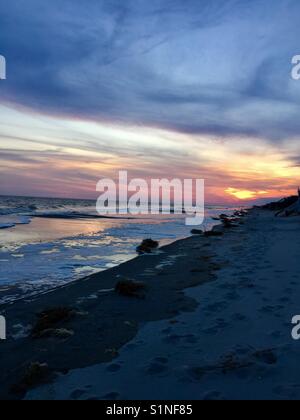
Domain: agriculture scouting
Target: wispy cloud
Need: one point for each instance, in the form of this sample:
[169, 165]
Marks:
[195, 67]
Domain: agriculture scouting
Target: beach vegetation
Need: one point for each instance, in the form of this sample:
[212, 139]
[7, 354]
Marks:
[281, 204]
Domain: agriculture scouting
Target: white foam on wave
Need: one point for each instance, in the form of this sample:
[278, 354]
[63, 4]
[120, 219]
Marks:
[6, 225]
[8, 222]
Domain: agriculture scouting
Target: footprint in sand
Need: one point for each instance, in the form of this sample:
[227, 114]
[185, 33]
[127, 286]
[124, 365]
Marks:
[161, 360]
[131, 346]
[191, 339]
[246, 284]
[77, 394]
[244, 274]
[236, 274]
[239, 317]
[172, 339]
[211, 330]
[290, 392]
[268, 357]
[271, 309]
[212, 396]
[115, 367]
[216, 307]
[156, 368]
[111, 396]
[227, 286]
[276, 334]
[232, 296]
[284, 300]
[220, 325]
[167, 331]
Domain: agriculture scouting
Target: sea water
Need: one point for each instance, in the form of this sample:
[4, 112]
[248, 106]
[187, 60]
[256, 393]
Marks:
[46, 243]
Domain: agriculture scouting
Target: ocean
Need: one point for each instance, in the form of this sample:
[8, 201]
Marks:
[46, 243]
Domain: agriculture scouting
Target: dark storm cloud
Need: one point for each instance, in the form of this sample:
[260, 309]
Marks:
[190, 66]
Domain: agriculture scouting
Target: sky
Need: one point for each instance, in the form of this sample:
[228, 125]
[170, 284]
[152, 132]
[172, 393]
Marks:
[167, 88]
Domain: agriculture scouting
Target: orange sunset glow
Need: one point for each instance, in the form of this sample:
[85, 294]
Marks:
[69, 159]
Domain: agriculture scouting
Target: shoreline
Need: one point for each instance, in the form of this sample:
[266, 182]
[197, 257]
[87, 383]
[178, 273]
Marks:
[215, 323]
[9, 288]
[37, 295]
[26, 287]
[119, 318]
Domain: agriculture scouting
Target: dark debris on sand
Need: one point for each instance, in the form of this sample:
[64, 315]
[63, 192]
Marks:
[147, 246]
[196, 232]
[34, 374]
[49, 319]
[130, 288]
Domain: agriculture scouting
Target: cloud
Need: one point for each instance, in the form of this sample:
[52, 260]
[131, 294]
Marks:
[196, 67]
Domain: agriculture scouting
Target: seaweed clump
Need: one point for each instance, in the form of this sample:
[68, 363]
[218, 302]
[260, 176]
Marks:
[35, 374]
[48, 320]
[213, 233]
[147, 246]
[196, 232]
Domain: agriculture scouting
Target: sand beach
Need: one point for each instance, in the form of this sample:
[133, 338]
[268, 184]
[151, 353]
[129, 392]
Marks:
[212, 322]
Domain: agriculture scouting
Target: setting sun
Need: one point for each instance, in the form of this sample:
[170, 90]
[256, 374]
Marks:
[244, 194]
